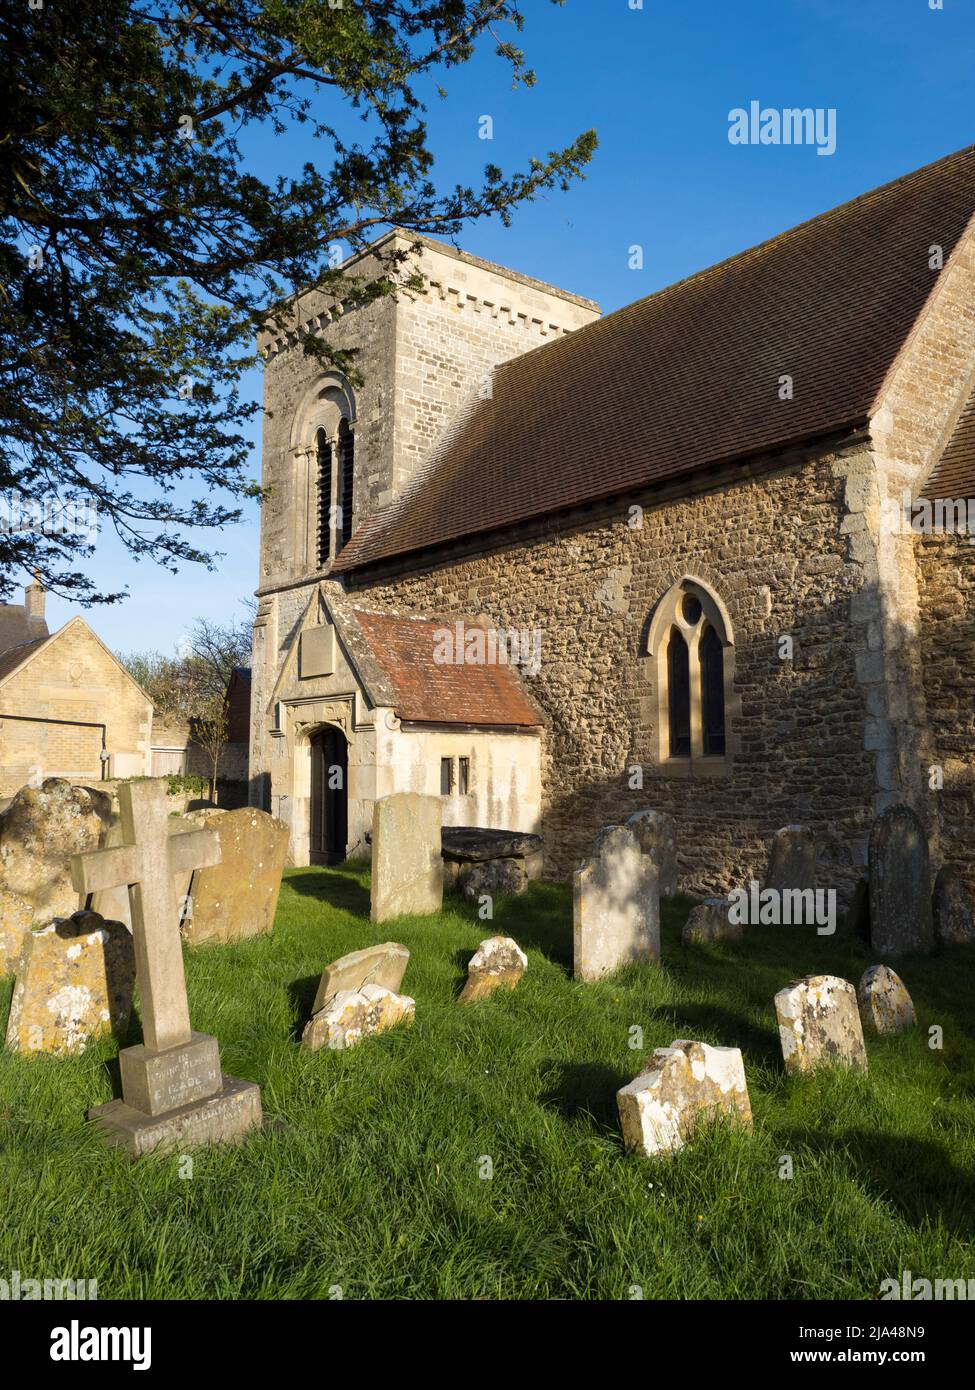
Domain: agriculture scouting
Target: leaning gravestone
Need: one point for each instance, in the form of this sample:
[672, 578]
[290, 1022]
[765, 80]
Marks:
[498, 963]
[39, 832]
[819, 1024]
[407, 870]
[792, 859]
[616, 906]
[682, 1087]
[711, 921]
[357, 994]
[16, 916]
[656, 833]
[173, 1091]
[74, 983]
[885, 1005]
[951, 907]
[238, 897]
[900, 885]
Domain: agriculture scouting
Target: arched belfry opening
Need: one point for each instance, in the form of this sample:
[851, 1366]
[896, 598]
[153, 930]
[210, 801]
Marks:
[328, 804]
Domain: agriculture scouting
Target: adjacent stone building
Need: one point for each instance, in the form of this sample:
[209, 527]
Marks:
[687, 518]
[68, 707]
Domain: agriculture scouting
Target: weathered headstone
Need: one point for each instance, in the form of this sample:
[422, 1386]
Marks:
[74, 983]
[616, 906]
[656, 833]
[16, 915]
[885, 1005]
[238, 897]
[900, 885]
[353, 1014]
[383, 965]
[951, 908]
[710, 921]
[682, 1087]
[498, 963]
[407, 870]
[792, 859]
[173, 1091]
[819, 1024]
[498, 878]
[39, 832]
[113, 903]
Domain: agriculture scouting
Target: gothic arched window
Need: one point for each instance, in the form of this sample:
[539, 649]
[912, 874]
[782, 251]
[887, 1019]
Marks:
[691, 644]
[324, 509]
[346, 443]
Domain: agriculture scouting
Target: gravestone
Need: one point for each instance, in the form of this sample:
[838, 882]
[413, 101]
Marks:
[819, 1024]
[16, 916]
[682, 1087]
[900, 885]
[353, 1014]
[884, 1003]
[407, 870]
[792, 859]
[358, 994]
[173, 1092]
[39, 832]
[858, 914]
[74, 983]
[113, 902]
[656, 833]
[498, 878]
[238, 897]
[951, 908]
[498, 963]
[616, 906]
[710, 921]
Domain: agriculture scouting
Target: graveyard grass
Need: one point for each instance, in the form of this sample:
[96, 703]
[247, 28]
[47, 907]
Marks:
[369, 1179]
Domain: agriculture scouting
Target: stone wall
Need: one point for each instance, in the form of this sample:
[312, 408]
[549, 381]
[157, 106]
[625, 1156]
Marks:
[772, 549]
[946, 581]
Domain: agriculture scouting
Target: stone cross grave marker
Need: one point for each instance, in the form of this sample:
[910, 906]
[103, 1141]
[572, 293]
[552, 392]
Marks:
[172, 1087]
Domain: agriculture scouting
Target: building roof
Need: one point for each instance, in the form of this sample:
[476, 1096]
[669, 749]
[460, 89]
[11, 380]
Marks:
[16, 656]
[17, 627]
[689, 379]
[954, 475]
[426, 691]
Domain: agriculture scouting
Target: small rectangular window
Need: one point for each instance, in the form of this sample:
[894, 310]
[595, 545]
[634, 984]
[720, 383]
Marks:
[446, 776]
[463, 775]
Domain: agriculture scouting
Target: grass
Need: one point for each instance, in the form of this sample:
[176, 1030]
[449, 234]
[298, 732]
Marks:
[368, 1181]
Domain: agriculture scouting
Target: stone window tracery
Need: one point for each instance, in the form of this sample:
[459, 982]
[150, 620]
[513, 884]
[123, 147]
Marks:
[691, 646]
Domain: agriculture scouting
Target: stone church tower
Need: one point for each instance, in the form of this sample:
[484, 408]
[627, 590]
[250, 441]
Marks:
[423, 356]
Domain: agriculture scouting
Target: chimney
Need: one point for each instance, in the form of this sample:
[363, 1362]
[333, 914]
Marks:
[34, 596]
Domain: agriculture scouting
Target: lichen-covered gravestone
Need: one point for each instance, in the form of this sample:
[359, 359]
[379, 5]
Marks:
[237, 898]
[711, 921]
[792, 859]
[39, 832]
[498, 963]
[407, 868]
[682, 1087]
[900, 885]
[819, 1024]
[952, 909]
[656, 833]
[357, 995]
[16, 915]
[885, 1005]
[616, 906]
[74, 983]
[174, 1094]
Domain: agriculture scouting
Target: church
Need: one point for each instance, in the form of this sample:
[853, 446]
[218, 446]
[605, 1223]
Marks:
[556, 566]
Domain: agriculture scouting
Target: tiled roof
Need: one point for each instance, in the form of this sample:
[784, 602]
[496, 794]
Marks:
[14, 656]
[16, 627]
[955, 473]
[689, 378]
[433, 693]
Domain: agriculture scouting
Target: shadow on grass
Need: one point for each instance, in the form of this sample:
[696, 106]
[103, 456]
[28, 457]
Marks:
[539, 918]
[727, 1028]
[582, 1091]
[302, 995]
[916, 1176]
[339, 888]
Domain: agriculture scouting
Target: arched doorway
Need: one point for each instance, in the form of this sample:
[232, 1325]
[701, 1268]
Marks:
[329, 800]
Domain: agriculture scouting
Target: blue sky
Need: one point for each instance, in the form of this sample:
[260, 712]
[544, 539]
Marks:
[657, 84]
